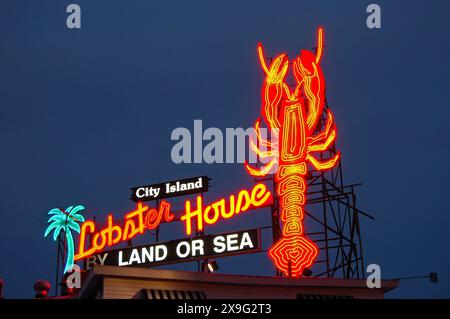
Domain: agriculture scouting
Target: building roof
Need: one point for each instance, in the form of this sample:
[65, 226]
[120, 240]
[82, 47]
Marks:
[95, 278]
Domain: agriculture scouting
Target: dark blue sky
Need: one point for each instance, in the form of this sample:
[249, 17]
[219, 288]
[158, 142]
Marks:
[86, 114]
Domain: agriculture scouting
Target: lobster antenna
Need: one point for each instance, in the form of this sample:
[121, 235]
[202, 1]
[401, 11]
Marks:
[262, 59]
[319, 44]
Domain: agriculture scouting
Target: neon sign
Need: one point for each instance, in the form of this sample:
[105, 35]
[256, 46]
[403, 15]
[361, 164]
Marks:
[146, 218]
[65, 220]
[293, 116]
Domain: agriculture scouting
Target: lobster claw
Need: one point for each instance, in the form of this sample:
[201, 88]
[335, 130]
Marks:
[309, 76]
[278, 68]
[305, 66]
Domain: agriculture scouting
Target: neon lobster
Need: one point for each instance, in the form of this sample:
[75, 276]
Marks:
[293, 117]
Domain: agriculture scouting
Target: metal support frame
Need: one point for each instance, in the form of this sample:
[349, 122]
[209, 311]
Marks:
[340, 238]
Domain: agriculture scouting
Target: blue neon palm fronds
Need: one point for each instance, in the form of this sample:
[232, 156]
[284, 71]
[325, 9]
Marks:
[66, 220]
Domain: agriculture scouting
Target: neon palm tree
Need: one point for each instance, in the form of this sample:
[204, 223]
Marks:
[67, 221]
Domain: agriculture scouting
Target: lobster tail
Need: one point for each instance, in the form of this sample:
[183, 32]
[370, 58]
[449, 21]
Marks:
[294, 252]
[291, 189]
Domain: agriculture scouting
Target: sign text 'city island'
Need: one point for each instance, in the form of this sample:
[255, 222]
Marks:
[170, 189]
[293, 116]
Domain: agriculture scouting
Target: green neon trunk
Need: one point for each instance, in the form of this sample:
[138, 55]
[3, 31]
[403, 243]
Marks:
[70, 251]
